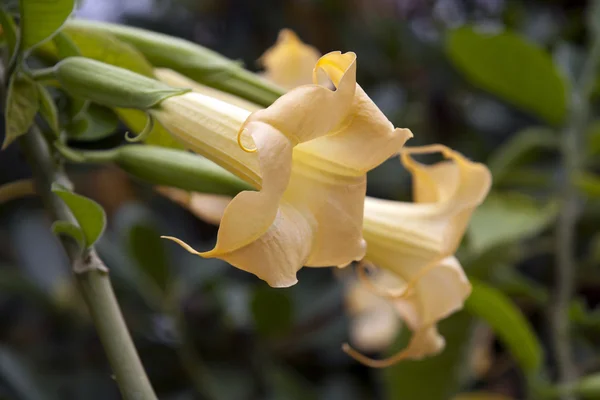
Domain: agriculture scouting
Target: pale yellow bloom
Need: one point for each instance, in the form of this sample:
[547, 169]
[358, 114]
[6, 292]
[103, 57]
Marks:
[414, 242]
[289, 62]
[313, 149]
[177, 80]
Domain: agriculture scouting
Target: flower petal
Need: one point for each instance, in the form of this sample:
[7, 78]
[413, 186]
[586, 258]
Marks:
[289, 62]
[312, 111]
[175, 79]
[405, 237]
[207, 207]
[335, 204]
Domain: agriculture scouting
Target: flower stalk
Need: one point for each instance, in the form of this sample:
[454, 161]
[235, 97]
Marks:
[92, 278]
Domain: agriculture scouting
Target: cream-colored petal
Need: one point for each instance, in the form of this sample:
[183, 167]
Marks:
[362, 141]
[312, 111]
[209, 127]
[208, 207]
[175, 79]
[405, 237]
[289, 63]
[335, 204]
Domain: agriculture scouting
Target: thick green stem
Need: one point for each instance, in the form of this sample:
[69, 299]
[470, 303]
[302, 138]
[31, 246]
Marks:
[566, 265]
[92, 278]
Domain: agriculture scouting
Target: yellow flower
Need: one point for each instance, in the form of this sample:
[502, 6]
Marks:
[289, 62]
[414, 243]
[308, 155]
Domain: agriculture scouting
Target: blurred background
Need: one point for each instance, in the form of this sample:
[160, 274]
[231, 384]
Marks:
[205, 330]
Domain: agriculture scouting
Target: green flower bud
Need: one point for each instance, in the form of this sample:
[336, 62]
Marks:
[109, 85]
[165, 167]
[199, 63]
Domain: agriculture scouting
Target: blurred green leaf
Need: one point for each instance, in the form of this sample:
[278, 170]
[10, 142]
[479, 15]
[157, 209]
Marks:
[272, 310]
[69, 229]
[516, 149]
[48, 108]
[481, 396]
[99, 46]
[21, 107]
[94, 123]
[508, 217]
[433, 378]
[148, 250]
[9, 31]
[40, 19]
[286, 384]
[65, 46]
[512, 68]
[592, 147]
[507, 321]
[589, 184]
[89, 215]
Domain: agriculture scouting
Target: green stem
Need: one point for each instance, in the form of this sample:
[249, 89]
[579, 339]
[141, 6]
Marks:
[571, 152]
[92, 278]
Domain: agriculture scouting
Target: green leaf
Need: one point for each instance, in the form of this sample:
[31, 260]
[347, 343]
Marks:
[40, 19]
[48, 108]
[89, 215]
[95, 123]
[21, 107]
[589, 184]
[65, 46]
[592, 147]
[433, 378]
[508, 217]
[272, 310]
[516, 150]
[148, 250]
[512, 68]
[100, 46]
[9, 31]
[508, 323]
[68, 229]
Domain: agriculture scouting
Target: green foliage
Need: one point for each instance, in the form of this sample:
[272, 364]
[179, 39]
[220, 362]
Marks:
[69, 229]
[272, 310]
[110, 86]
[64, 46]
[508, 217]
[48, 108]
[159, 136]
[100, 46]
[190, 59]
[148, 250]
[40, 19]
[433, 378]
[89, 216]
[512, 68]
[507, 321]
[93, 123]
[589, 184]
[9, 30]
[21, 107]
[518, 148]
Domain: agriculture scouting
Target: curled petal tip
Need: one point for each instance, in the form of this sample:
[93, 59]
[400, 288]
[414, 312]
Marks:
[239, 142]
[182, 244]
[370, 362]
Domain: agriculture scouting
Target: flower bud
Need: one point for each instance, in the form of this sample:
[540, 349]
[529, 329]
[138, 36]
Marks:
[109, 85]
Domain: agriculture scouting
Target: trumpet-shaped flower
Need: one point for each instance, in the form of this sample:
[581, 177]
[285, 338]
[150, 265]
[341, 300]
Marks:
[308, 155]
[289, 62]
[413, 243]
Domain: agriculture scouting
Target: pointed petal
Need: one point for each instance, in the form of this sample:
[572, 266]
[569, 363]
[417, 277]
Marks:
[289, 63]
